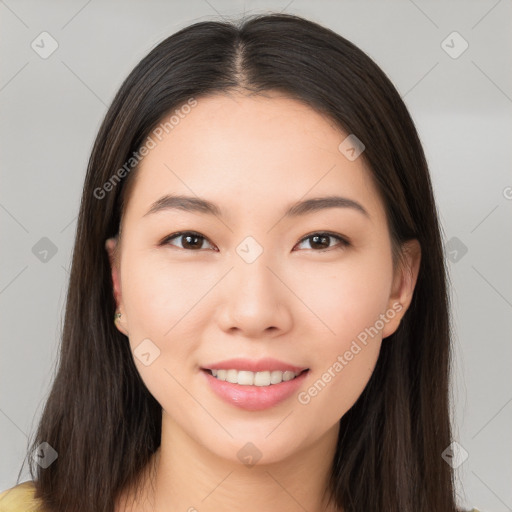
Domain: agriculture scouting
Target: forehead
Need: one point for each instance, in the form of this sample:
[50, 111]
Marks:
[251, 153]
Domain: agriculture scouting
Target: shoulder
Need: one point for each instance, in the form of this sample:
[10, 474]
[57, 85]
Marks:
[20, 498]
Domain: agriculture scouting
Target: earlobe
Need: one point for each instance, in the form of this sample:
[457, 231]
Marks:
[404, 283]
[110, 246]
[118, 320]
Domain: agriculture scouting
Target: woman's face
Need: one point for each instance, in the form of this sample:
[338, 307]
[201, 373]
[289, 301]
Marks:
[256, 283]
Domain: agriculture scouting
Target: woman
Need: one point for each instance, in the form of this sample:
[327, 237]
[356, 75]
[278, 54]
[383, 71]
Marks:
[257, 315]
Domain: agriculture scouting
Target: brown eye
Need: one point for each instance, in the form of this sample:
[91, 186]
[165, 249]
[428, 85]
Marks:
[190, 240]
[319, 242]
[322, 241]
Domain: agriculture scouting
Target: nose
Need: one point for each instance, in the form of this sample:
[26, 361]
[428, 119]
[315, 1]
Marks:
[254, 300]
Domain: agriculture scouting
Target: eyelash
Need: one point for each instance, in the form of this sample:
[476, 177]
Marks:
[343, 241]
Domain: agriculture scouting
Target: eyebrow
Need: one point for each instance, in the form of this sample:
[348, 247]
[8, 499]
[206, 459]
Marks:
[198, 205]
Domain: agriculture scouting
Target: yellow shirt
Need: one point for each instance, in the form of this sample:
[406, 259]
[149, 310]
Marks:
[20, 499]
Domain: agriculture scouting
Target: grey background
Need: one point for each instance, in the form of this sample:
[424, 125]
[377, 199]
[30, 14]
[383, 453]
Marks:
[51, 110]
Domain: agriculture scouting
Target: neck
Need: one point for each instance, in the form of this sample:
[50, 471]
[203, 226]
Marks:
[186, 476]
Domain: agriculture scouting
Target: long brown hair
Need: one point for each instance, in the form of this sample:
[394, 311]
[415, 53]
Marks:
[99, 416]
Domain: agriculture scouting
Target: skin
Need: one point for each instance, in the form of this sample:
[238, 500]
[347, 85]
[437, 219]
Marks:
[253, 156]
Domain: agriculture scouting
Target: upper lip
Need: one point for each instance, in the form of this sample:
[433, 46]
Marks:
[253, 365]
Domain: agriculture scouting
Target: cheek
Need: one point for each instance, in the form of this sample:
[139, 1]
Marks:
[348, 303]
[337, 385]
[165, 307]
[160, 298]
[162, 306]
[345, 297]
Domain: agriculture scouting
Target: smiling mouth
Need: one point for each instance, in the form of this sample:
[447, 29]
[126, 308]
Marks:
[248, 378]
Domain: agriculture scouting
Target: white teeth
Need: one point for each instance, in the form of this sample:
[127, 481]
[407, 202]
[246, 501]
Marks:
[276, 377]
[288, 375]
[246, 378]
[232, 376]
[262, 379]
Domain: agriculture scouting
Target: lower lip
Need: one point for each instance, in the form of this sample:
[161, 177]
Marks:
[254, 398]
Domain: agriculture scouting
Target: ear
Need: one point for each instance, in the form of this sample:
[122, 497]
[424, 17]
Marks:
[110, 246]
[404, 282]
